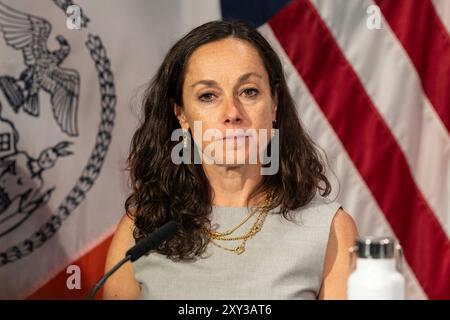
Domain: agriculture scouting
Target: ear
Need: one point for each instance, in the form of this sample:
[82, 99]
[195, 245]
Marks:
[181, 116]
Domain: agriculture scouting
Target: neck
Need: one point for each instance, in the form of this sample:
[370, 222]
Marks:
[232, 185]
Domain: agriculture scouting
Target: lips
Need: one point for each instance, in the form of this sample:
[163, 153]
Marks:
[231, 137]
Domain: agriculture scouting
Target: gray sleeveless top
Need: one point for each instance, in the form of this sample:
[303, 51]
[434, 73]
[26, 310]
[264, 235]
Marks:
[283, 261]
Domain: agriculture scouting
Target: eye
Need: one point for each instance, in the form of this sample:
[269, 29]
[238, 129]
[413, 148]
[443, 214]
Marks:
[250, 92]
[206, 97]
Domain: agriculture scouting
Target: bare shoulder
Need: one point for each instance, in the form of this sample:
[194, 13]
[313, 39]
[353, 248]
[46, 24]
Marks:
[336, 269]
[343, 224]
[125, 227]
[122, 284]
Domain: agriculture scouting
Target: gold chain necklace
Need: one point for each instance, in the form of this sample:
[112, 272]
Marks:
[253, 230]
[217, 234]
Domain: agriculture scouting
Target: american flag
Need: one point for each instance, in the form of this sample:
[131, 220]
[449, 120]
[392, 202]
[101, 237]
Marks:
[378, 101]
[371, 81]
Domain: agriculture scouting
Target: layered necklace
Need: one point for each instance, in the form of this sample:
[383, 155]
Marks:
[215, 236]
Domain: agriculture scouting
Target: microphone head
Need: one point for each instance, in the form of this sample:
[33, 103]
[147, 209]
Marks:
[153, 241]
[166, 231]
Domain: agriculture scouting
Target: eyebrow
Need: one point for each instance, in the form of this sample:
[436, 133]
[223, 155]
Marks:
[212, 83]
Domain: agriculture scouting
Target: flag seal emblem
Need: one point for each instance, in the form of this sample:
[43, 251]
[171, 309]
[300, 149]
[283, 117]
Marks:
[24, 189]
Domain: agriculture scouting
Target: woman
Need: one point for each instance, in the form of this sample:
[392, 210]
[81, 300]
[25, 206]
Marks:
[242, 234]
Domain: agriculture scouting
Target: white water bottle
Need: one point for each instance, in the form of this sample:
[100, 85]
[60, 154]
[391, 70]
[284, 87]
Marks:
[376, 274]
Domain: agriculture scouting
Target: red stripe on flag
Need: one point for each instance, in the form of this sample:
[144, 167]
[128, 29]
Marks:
[92, 265]
[368, 141]
[425, 39]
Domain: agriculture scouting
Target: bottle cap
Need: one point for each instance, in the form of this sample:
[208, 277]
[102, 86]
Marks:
[375, 248]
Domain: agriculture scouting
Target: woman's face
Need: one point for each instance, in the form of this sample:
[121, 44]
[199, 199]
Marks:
[227, 88]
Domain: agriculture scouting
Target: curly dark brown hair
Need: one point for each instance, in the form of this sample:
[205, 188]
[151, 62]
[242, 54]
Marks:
[162, 190]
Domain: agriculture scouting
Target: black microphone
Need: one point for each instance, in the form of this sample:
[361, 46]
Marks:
[138, 250]
[152, 241]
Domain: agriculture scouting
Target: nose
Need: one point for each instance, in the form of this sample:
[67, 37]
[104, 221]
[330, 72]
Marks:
[232, 112]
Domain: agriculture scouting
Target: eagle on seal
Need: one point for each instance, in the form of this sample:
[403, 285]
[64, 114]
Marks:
[30, 34]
